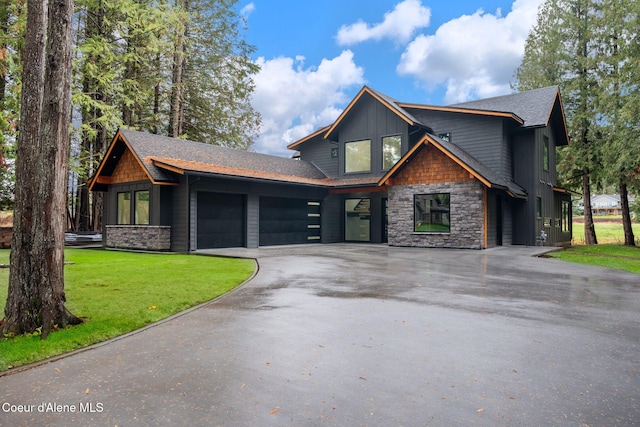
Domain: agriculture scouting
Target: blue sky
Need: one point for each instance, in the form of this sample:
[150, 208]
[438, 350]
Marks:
[316, 55]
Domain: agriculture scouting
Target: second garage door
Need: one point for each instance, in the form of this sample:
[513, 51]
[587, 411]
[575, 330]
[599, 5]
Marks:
[286, 221]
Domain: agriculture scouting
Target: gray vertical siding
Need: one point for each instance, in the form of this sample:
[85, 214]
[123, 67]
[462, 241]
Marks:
[318, 152]
[370, 120]
[480, 136]
[253, 220]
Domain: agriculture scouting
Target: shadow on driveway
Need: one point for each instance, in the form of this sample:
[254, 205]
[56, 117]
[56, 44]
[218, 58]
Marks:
[372, 335]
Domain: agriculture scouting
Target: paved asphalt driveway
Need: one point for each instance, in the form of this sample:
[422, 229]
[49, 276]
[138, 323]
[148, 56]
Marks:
[367, 335]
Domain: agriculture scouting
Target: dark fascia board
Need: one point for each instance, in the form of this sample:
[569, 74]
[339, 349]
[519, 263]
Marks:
[503, 114]
[355, 100]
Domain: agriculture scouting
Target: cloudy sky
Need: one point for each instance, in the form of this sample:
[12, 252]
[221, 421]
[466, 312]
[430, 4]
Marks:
[316, 55]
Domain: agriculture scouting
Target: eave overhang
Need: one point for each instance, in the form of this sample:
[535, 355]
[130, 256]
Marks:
[320, 131]
[502, 114]
[102, 178]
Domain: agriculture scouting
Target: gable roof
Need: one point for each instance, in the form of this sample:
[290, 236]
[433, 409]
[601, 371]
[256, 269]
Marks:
[162, 157]
[387, 101]
[537, 108]
[480, 171]
[533, 108]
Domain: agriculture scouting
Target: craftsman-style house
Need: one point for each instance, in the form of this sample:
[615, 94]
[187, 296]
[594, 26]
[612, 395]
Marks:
[473, 175]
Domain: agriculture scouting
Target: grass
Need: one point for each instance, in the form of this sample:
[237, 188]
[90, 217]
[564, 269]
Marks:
[606, 232]
[118, 292]
[612, 256]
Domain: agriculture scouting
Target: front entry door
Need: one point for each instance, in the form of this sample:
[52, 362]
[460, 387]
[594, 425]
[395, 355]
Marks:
[357, 222]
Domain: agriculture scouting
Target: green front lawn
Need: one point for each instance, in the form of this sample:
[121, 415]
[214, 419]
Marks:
[613, 256]
[118, 292]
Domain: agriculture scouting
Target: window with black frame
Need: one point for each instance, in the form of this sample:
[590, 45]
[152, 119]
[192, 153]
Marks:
[124, 208]
[432, 213]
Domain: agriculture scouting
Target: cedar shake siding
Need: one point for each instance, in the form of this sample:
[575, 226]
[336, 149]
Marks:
[431, 166]
[128, 169]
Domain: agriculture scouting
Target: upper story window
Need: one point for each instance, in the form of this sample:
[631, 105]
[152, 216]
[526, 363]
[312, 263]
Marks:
[545, 153]
[391, 151]
[357, 157]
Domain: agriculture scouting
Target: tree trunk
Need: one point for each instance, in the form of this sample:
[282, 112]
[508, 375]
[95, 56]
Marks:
[175, 125]
[36, 284]
[629, 238]
[589, 228]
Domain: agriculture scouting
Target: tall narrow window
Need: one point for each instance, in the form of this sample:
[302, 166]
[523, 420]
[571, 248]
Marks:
[391, 151]
[545, 154]
[432, 213]
[566, 216]
[357, 156]
[124, 208]
[538, 207]
[141, 209]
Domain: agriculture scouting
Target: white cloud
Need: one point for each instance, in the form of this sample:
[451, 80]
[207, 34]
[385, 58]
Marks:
[247, 10]
[399, 24]
[474, 56]
[294, 101]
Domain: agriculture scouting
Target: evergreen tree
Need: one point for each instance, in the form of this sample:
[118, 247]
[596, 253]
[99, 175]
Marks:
[618, 97]
[560, 51]
[35, 300]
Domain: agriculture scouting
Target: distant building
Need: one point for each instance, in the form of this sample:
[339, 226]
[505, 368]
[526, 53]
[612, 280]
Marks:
[607, 204]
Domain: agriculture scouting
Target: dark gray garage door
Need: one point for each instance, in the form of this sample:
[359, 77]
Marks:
[285, 221]
[221, 220]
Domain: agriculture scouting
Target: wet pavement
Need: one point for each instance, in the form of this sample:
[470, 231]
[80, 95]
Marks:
[366, 335]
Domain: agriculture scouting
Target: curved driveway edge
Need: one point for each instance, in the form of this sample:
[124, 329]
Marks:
[367, 335]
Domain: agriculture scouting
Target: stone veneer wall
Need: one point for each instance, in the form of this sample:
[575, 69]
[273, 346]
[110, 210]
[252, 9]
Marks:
[142, 237]
[466, 215]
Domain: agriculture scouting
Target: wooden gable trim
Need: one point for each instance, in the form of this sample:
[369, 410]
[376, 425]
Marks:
[425, 141]
[463, 110]
[307, 138]
[167, 166]
[355, 100]
[119, 138]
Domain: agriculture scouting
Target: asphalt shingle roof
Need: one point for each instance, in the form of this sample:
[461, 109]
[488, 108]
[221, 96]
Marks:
[533, 106]
[197, 156]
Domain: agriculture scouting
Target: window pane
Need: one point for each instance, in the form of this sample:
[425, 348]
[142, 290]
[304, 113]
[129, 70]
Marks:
[142, 207]
[124, 208]
[431, 213]
[391, 151]
[545, 154]
[357, 220]
[357, 156]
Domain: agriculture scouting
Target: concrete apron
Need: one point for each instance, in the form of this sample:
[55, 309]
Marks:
[368, 335]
